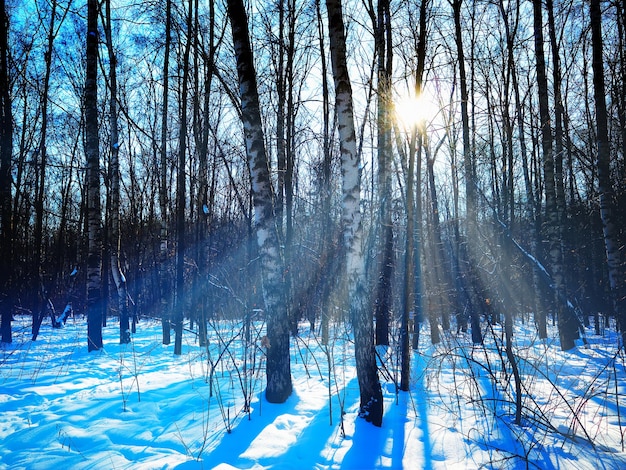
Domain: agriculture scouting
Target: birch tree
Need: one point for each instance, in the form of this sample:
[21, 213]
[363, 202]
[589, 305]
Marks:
[605, 188]
[94, 255]
[279, 384]
[371, 405]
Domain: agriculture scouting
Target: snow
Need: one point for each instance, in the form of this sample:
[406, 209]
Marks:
[138, 406]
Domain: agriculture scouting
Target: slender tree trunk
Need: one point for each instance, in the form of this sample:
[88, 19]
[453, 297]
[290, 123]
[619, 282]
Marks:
[453, 253]
[605, 188]
[559, 113]
[508, 213]
[409, 270]
[371, 406]
[418, 312]
[62, 239]
[567, 324]
[114, 171]
[279, 385]
[508, 186]
[442, 275]
[511, 32]
[105, 274]
[40, 306]
[289, 164]
[283, 204]
[163, 263]
[471, 237]
[325, 184]
[383, 302]
[418, 294]
[6, 150]
[94, 256]
[569, 268]
[280, 122]
[413, 268]
[199, 215]
[621, 30]
[205, 200]
[468, 158]
[508, 334]
[181, 193]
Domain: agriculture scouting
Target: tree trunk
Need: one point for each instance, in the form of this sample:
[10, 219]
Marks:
[205, 200]
[559, 113]
[279, 384]
[114, 237]
[371, 406]
[326, 193]
[6, 150]
[442, 275]
[566, 324]
[511, 32]
[621, 30]
[409, 271]
[605, 188]
[414, 229]
[383, 302]
[94, 256]
[285, 118]
[418, 137]
[163, 262]
[467, 267]
[289, 165]
[40, 305]
[418, 310]
[508, 334]
[181, 189]
[569, 267]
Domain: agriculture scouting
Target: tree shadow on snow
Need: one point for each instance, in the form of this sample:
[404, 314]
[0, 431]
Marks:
[302, 428]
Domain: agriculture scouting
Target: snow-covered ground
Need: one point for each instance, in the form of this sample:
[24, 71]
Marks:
[138, 406]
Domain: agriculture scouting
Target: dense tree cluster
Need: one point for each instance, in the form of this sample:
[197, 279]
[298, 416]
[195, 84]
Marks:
[193, 161]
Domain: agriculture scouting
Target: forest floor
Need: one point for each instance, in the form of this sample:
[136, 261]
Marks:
[138, 406]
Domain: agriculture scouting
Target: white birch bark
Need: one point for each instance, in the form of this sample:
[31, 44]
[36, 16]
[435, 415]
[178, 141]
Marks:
[607, 197]
[94, 256]
[361, 316]
[279, 384]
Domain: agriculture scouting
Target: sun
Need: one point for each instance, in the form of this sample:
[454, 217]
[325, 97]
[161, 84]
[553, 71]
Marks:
[413, 111]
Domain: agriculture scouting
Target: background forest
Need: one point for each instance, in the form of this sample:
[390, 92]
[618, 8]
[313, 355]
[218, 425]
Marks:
[490, 138]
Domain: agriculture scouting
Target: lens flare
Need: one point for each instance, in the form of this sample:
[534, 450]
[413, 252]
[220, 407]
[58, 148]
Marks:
[412, 111]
